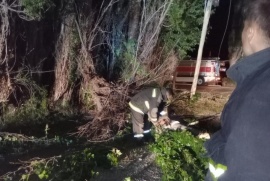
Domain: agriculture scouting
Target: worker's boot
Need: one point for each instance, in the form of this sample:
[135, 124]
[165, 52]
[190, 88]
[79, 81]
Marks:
[139, 139]
[149, 138]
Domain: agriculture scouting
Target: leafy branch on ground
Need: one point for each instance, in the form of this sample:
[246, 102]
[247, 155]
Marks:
[74, 165]
[180, 156]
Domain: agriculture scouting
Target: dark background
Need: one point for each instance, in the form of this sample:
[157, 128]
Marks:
[216, 30]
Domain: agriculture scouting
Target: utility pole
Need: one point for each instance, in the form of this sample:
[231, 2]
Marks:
[207, 14]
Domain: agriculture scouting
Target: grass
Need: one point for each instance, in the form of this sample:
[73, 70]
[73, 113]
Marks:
[228, 82]
[209, 104]
[205, 104]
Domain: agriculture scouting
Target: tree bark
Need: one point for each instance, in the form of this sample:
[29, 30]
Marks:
[5, 80]
[134, 19]
[62, 86]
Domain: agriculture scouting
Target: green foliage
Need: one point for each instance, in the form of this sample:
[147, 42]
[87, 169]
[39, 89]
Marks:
[17, 144]
[195, 97]
[33, 105]
[46, 130]
[127, 179]
[41, 170]
[180, 156]
[36, 8]
[182, 28]
[77, 166]
[34, 109]
[73, 165]
[87, 98]
[113, 156]
[74, 53]
[130, 66]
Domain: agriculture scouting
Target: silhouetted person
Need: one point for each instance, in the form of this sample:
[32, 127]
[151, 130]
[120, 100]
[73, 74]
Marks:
[240, 150]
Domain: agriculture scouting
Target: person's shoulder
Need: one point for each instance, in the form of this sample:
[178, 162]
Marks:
[149, 89]
[145, 91]
[263, 77]
[260, 86]
[163, 88]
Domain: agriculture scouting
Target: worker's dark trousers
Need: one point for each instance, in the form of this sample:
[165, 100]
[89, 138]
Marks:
[140, 122]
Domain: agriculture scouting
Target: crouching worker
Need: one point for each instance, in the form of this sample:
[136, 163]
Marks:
[147, 107]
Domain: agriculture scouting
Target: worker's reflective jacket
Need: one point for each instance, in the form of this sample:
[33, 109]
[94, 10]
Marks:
[216, 169]
[148, 99]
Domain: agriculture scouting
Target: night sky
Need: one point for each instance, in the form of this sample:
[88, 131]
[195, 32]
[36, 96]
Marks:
[217, 26]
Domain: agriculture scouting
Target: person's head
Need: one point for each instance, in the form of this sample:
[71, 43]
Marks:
[256, 31]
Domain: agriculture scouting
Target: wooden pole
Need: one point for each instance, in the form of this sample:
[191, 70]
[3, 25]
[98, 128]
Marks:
[207, 14]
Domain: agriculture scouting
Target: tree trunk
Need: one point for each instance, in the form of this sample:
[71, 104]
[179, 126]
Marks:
[5, 79]
[63, 61]
[153, 15]
[134, 19]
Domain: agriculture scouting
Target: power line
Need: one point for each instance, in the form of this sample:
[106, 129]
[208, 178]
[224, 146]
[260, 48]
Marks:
[229, 13]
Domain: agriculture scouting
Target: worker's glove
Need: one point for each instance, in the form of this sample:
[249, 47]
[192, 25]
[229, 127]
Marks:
[164, 120]
[175, 125]
[163, 113]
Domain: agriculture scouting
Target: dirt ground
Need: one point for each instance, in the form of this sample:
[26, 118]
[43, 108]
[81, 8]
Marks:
[138, 165]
